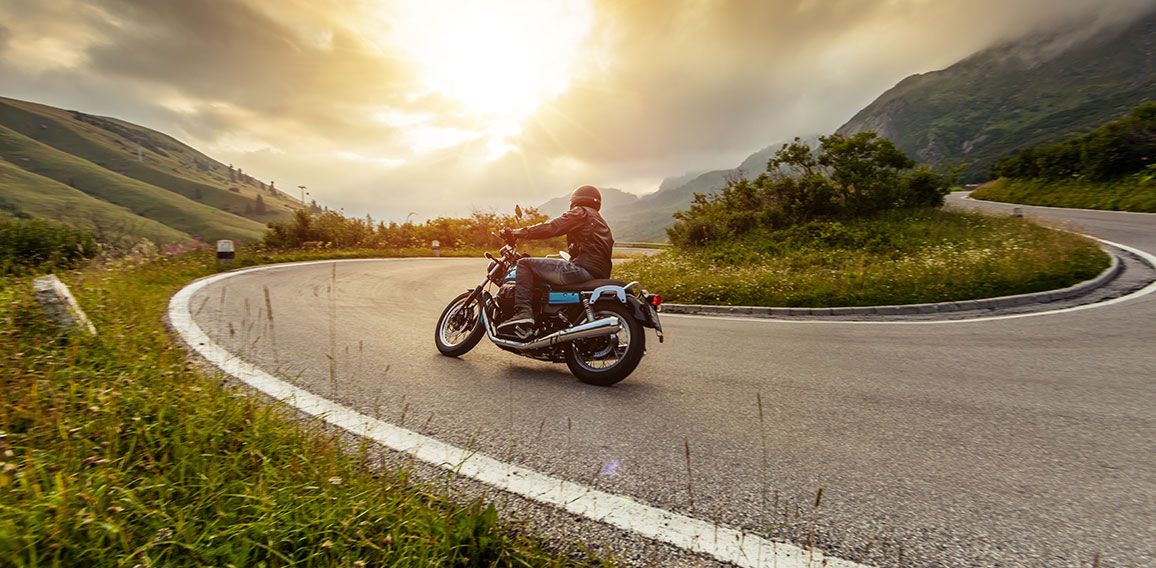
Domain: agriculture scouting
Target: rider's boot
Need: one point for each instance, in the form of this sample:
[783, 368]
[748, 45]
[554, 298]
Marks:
[521, 324]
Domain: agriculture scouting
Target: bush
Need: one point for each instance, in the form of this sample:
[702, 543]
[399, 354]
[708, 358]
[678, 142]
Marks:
[844, 178]
[28, 245]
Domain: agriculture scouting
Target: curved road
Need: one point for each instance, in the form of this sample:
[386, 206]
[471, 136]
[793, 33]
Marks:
[1019, 442]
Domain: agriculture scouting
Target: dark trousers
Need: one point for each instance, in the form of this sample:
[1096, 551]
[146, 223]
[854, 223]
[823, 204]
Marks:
[549, 270]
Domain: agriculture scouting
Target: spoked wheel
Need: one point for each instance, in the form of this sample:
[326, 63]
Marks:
[606, 360]
[460, 327]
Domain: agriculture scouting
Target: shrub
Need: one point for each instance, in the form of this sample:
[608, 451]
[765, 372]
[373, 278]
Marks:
[28, 245]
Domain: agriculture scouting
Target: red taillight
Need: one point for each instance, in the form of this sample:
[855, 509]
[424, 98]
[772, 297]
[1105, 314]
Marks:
[656, 300]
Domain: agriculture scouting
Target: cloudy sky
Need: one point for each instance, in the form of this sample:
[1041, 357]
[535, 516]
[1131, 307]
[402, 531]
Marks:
[436, 107]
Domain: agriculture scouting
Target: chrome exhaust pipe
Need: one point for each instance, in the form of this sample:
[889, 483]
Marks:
[596, 328]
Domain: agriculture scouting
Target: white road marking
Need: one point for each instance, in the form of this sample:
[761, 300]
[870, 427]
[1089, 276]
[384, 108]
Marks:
[1150, 288]
[726, 544]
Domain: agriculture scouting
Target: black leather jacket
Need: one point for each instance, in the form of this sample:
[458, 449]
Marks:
[588, 238]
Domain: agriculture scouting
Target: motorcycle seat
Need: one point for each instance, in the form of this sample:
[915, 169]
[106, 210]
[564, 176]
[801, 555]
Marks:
[587, 285]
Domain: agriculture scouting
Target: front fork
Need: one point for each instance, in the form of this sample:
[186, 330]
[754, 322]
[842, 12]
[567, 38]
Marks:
[476, 293]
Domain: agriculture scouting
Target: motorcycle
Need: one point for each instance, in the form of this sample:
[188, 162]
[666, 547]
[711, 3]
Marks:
[595, 327]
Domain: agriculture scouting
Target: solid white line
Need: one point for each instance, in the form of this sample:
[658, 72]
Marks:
[726, 544]
[1150, 288]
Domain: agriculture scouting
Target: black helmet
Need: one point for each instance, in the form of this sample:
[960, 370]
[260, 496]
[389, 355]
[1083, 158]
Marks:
[588, 196]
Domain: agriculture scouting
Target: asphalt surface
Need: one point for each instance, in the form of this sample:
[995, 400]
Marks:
[1019, 442]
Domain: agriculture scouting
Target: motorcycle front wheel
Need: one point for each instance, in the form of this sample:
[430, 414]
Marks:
[460, 327]
[606, 360]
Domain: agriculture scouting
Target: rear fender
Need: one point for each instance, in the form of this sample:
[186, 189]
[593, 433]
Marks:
[611, 293]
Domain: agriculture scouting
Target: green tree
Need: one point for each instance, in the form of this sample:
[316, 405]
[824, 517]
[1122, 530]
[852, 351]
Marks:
[1115, 150]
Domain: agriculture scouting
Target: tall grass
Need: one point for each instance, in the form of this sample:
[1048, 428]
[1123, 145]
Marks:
[115, 451]
[898, 258]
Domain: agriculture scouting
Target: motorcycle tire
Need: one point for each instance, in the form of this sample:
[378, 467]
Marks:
[603, 361]
[460, 327]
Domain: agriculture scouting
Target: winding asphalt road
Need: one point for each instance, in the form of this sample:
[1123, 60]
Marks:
[1018, 442]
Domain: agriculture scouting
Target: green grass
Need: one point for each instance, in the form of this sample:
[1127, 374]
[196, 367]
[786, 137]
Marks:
[1134, 193]
[114, 451]
[901, 258]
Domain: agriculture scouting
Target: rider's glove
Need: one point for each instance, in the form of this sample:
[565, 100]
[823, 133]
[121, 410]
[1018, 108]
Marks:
[507, 234]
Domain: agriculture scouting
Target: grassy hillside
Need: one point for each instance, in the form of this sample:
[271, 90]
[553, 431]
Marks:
[29, 195]
[1038, 90]
[162, 160]
[1135, 194]
[143, 199]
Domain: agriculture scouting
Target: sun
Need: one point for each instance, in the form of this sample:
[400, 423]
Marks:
[500, 59]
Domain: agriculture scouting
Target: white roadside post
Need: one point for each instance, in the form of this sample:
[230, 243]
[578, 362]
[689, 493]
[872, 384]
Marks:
[225, 252]
[59, 305]
[437, 248]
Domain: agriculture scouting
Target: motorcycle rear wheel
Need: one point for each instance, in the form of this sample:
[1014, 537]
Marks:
[606, 360]
[459, 327]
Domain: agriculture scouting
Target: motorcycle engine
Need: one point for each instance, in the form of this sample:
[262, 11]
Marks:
[505, 300]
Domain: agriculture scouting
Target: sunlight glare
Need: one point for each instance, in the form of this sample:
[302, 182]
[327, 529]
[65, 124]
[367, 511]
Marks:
[501, 60]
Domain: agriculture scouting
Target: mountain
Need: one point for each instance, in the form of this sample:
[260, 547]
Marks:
[1037, 90]
[124, 181]
[611, 199]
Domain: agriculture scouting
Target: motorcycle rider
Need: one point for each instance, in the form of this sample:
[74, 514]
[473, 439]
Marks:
[589, 241]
